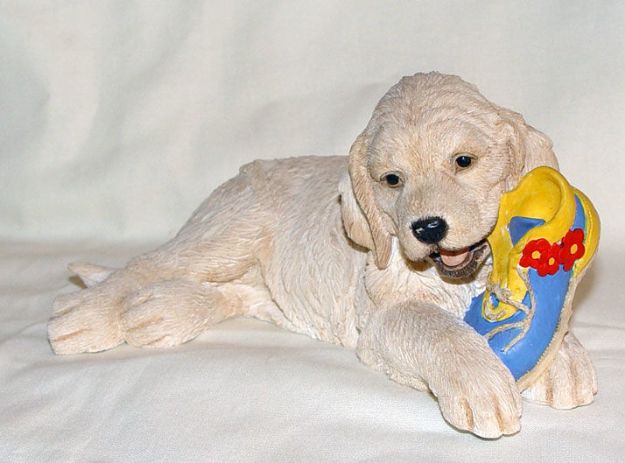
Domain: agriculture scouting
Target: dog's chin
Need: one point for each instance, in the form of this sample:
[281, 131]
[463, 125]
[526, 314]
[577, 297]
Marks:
[460, 263]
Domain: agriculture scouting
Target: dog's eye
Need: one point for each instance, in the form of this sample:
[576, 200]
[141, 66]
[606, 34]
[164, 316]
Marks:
[392, 180]
[463, 161]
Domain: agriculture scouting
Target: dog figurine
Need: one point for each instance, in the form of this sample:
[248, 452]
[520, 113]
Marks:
[381, 252]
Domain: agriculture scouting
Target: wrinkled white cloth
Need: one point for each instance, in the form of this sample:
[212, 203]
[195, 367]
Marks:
[118, 118]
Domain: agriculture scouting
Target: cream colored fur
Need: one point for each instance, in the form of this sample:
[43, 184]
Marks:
[321, 246]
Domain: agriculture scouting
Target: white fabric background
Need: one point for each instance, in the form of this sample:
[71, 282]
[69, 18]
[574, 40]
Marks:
[118, 117]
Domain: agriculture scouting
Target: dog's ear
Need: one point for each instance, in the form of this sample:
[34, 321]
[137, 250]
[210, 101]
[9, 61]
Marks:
[361, 216]
[354, 220]
[529, 147]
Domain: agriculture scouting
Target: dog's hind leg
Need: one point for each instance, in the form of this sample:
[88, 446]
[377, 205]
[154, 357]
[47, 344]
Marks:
[221, 243]
[171, 312]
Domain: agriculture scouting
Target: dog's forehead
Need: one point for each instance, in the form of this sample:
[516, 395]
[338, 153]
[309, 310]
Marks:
[432, 137]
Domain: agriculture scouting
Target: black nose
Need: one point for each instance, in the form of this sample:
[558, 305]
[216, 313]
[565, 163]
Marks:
[430, 230]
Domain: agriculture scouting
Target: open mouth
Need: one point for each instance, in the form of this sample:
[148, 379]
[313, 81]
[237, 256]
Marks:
[460, 263]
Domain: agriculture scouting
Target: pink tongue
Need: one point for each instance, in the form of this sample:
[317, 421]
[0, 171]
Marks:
[454, 258]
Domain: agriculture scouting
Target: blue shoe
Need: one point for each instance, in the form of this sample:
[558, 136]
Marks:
[545, 237]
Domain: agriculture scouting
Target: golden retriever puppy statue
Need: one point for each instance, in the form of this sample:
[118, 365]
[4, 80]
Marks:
[381, 252]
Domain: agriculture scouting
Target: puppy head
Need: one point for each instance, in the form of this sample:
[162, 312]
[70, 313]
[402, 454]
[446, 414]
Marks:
[430, 168]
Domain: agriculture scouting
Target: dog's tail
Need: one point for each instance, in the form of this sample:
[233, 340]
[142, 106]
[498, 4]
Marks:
[90, 274]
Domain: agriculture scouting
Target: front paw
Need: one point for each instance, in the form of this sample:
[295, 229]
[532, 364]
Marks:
[569, 382]
[482, 399]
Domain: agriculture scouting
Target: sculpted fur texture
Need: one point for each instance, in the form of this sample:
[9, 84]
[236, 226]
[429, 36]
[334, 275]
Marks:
[380, 251]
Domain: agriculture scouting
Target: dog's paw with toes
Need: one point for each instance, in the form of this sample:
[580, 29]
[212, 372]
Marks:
[166, 314]
[569, 382]
[85, 321]
[487, 405]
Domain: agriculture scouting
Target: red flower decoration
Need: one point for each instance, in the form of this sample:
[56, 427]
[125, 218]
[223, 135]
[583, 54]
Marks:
[534, 253]
[551, 263]
[542, 256]
[572, 248]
